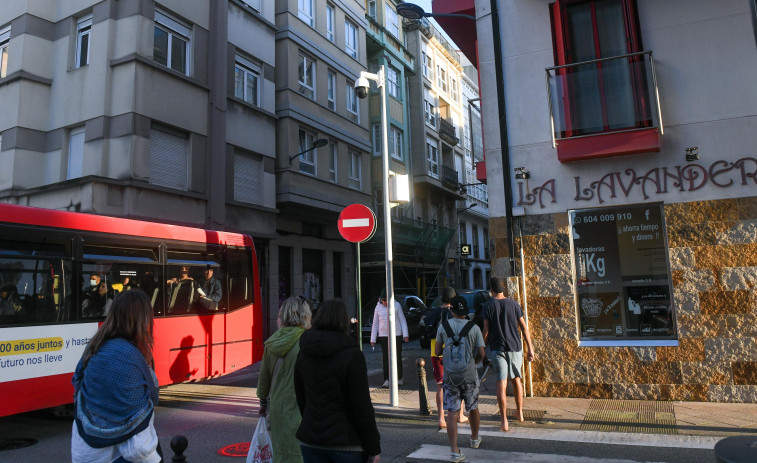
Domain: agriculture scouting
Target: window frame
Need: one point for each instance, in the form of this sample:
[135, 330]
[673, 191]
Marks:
[331, 89]
[355, 170]
[240, 172]
[83, 31]
[333, 161]
[304, 87]
[309, 158]
[158, 180]
[306, 12]
[5, 38]
[393, 82]
[249, 70]
[75, 132]
[432, 162]
[427, 66]
[377, 137]
[352, 102]
[441, 78]
[395, 139]
[393, 26]
[351, 39]
[372, 8]
[330, 22]
[174, 29]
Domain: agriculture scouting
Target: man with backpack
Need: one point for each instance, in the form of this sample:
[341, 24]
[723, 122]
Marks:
[461, 345]
[502, 318]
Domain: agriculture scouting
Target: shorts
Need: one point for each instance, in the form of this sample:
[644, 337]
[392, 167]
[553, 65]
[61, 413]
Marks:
[454, 394]
[436, 363]
[508, 365]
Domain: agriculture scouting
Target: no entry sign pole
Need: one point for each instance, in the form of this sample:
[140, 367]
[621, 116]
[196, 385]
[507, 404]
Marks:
[357, 223]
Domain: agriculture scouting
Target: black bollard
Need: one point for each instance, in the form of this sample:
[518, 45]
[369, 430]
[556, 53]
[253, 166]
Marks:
[422, 387]
[179, 444]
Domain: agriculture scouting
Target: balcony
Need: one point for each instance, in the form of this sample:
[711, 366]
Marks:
[447, 132]
[605, 107]
[449, 177]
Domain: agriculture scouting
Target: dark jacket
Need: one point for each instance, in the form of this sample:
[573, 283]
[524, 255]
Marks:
[331, 384]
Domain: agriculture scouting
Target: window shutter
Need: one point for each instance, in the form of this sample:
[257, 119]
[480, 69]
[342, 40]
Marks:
[169, 165]
[247, 179]
[76, 153]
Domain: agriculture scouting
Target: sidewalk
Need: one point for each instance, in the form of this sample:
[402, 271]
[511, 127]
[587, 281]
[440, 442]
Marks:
[603, 415]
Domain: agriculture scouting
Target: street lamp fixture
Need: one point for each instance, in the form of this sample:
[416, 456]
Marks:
[471, 206]
[415, 12]
[316, 144]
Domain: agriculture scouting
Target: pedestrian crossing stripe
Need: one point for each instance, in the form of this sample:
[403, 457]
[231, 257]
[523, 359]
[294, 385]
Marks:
[441, 453]
[597, 437]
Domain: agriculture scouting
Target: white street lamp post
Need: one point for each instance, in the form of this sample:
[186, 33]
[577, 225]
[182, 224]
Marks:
[361, 87]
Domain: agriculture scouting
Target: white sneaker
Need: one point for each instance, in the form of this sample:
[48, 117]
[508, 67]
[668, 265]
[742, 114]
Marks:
[386, 383]
[456, 456]
[475, 443]
[401, 382]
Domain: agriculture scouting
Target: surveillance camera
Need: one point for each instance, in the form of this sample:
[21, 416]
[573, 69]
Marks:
[361, 87]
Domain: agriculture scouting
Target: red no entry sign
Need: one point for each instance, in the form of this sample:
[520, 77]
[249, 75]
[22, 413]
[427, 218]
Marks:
[357, 223]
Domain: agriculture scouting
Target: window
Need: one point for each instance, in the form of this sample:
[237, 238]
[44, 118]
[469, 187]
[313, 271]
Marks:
[372, 8]
[432, 156]
[429, 108]
[352, 102]
[171, 46]
[248, 178]
[453, 88]
[392, 20]
[305, 12]
[428, 66]
[441, 78]
[606, 95]
[246, 78]
[392, 82]
[75, 153]
[83, 27]
[395, 143]
[169, 158]
[5, 37]
[377, 139]
[330, 21]
[332, 90]
[350, 39]
[355, 173]
[307, 159]
[463, 233]
[306, 74]
[333, 161]
[486, 243]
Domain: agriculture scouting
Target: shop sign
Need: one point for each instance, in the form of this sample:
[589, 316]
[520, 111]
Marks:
[621, 273]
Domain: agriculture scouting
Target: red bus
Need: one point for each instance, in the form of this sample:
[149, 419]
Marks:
[60, 270]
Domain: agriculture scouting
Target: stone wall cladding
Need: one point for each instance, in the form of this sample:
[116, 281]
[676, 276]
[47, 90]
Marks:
[713, 261]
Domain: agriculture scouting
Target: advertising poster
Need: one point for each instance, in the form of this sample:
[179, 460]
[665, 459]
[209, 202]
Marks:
[621, 273]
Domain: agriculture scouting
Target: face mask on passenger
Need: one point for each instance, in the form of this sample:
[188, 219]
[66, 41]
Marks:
[93, 282]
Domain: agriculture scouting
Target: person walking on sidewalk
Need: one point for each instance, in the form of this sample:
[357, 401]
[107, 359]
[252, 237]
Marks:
[461, 344]
[380, 331]
[502, 317]
[276, 379]
[331, 385]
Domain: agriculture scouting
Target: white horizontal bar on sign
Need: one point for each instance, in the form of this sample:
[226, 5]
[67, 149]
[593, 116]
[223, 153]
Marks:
[352, 223]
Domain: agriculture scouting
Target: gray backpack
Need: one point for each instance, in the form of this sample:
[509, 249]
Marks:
[457, 355]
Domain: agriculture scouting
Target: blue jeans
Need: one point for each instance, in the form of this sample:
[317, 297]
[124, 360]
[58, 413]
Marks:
[314, 455]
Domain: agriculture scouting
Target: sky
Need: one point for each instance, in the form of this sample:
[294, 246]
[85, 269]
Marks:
[426, 5]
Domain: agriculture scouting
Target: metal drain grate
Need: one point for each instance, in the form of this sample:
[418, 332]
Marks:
[19, 443]
[400, 390]
[630, 416]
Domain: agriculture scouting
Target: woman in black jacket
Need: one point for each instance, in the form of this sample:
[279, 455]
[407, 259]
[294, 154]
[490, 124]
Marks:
[331, 384]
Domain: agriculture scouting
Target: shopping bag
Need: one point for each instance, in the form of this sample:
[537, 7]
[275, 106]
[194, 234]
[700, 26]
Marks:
[261, 450]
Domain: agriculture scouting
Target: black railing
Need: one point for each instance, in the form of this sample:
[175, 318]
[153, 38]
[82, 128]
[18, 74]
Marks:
[447, 132]
[449, 177]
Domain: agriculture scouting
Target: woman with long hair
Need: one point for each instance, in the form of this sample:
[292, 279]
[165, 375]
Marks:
[331, 384]
[115, 388]
[276, 383]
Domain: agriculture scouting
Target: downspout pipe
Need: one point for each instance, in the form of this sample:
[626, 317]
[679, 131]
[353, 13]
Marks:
[505, 146]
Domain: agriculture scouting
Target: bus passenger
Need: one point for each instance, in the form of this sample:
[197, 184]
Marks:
[98, 302]
[115, 388]
[183, 276]
[210, 290]
[11, 308]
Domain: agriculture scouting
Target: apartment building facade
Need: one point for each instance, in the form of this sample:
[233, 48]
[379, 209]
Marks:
[161, 111]
[630, 233]
[323, 152]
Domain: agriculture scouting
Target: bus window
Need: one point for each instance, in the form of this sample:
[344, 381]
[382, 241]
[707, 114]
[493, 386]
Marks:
[240, 278]
[196, 282]
[34, 291]
[110, 270]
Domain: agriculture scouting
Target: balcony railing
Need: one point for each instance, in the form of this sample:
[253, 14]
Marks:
[447, 132]
[449, 177]
[605, 95]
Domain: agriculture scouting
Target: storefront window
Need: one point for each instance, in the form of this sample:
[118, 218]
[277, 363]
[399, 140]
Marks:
[621, 275]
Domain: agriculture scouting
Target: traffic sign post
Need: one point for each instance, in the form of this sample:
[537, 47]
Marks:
[357, 223]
